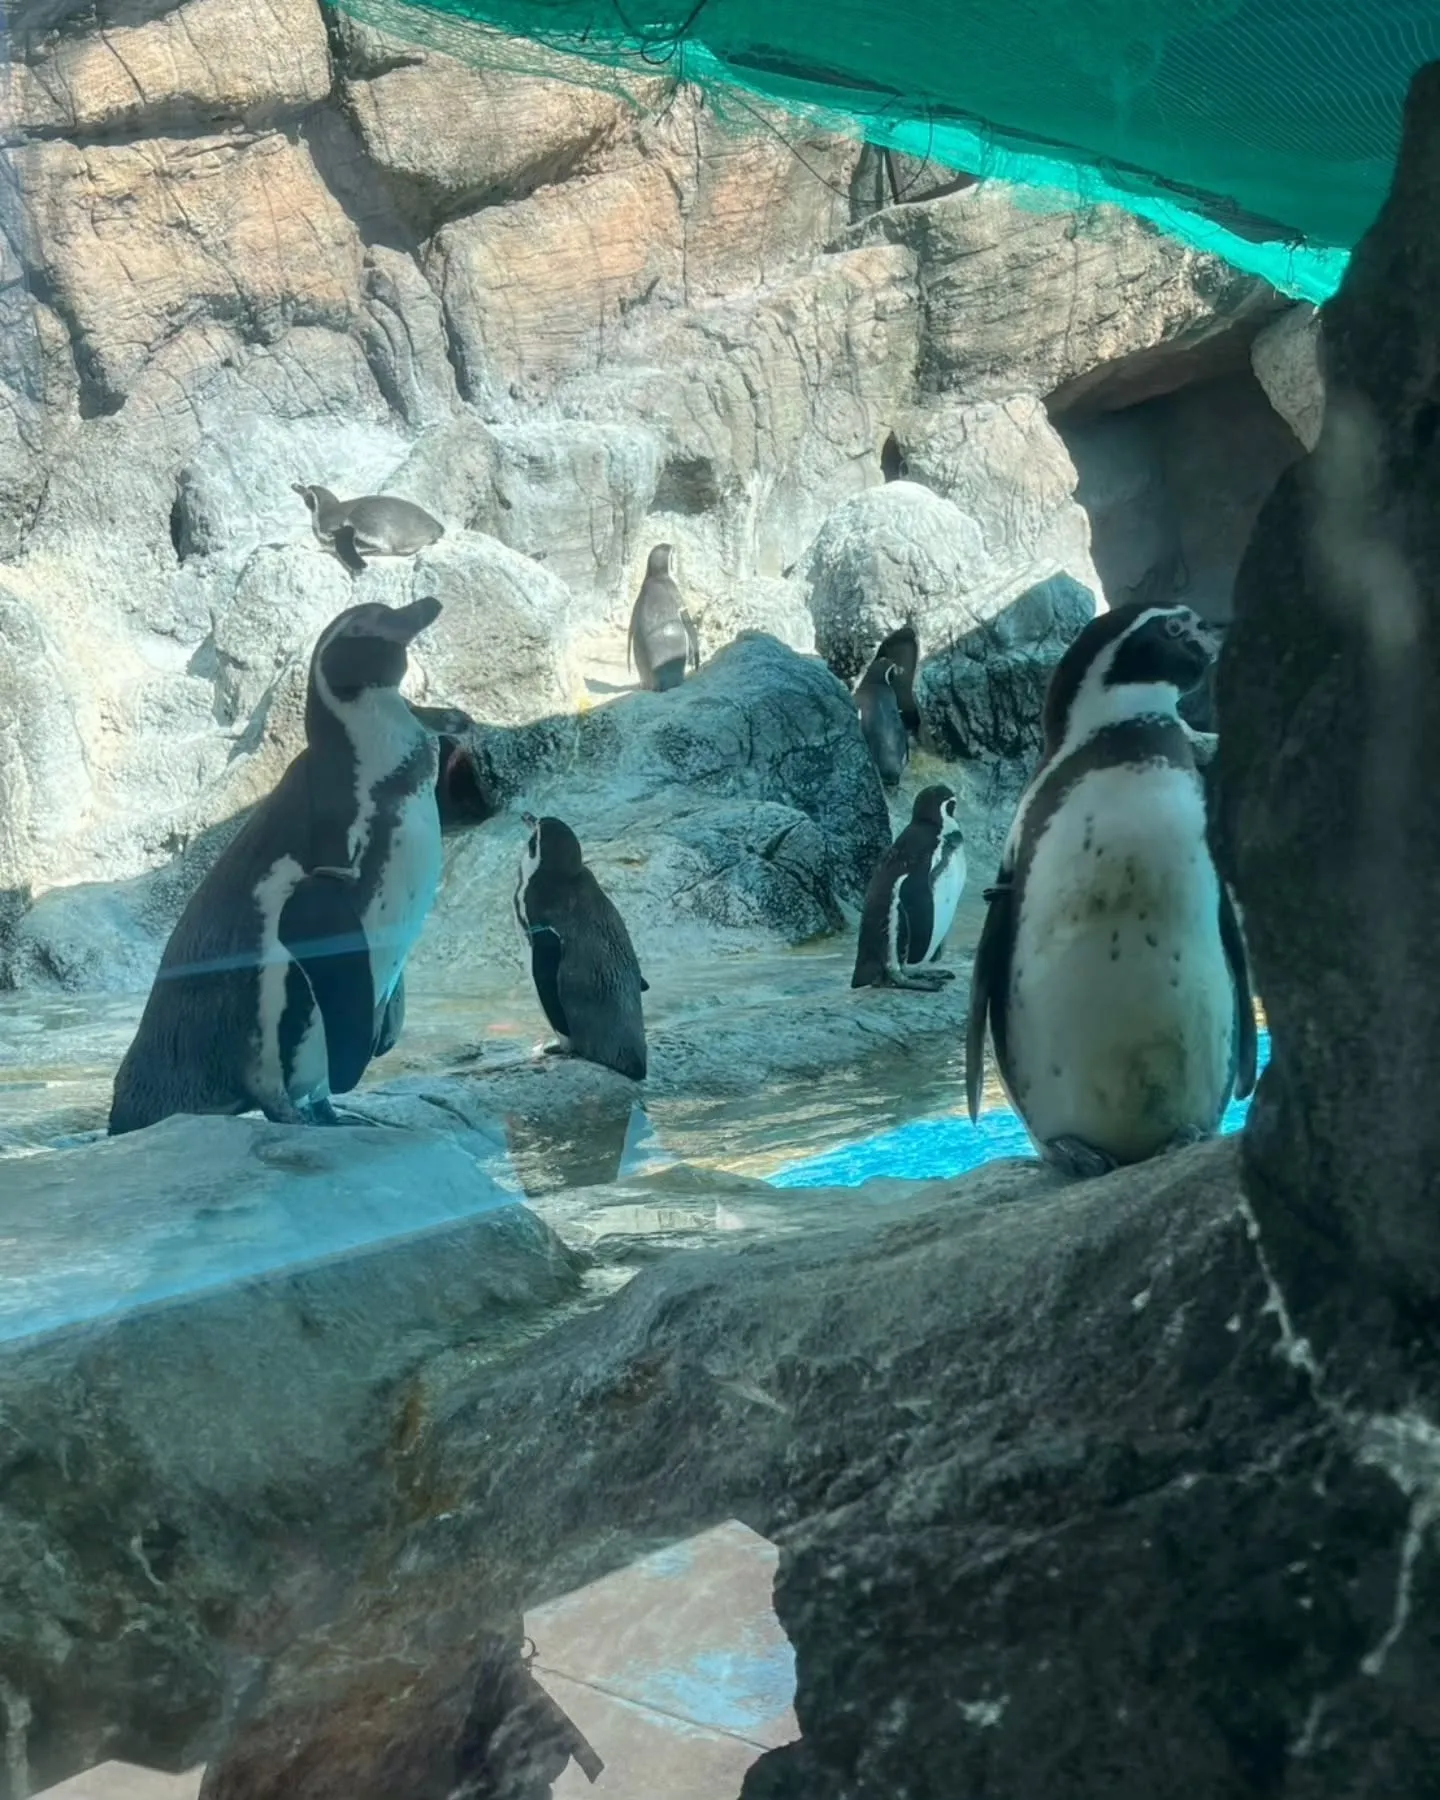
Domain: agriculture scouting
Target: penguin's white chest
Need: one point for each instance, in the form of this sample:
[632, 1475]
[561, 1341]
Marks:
[409, 879]
[1121, 1007]
[947, 885]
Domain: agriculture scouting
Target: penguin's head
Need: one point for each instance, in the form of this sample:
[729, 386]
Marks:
[934, 806]
[365, 647]
[1133, 659]
[314, 497]
[552, 844]
[661, 560]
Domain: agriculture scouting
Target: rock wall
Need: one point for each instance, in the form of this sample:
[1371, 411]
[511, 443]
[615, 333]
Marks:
[247, 245]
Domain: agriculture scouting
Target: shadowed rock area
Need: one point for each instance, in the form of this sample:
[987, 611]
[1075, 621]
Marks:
[1336, 855]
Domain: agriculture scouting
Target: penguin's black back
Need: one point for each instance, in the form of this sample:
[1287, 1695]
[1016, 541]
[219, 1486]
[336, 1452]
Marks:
[585, 968]
[905, 864]
[659, 641]
[883, 728]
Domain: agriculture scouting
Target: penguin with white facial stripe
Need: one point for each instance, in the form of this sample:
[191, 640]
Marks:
[911, 899]
[1111, 970]
[583, 963]
[282, 977]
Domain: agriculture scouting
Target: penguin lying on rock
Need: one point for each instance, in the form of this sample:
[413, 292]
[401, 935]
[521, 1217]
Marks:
[282, 977]
[885, 700]
[663, 639]
[911, 900]
[373, 524]
[1111, 971]
[583, 963]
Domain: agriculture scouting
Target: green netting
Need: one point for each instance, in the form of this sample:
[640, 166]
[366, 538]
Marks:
[1263, 130]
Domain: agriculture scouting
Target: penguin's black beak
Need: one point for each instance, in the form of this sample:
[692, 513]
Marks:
[529, 821]
[403, 624]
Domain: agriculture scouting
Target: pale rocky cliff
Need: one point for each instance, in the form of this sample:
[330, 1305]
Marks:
[247, 244]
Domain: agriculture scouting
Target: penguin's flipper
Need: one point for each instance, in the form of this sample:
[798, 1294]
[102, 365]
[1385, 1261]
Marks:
[546, 954]
[348, 550]
[1247, 1047]
[917, 917]
[989, 979]
[321, 928]
[392, 1020]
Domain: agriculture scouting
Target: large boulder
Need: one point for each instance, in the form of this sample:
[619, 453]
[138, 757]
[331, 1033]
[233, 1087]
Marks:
[738, 809]
[905, 554]
[982, 697]
[741, 808]
[1059, 1440]
[207, 1325]
[1286, 360]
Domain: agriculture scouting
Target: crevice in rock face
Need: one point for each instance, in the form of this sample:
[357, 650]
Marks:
[893, 464]
[687, 484]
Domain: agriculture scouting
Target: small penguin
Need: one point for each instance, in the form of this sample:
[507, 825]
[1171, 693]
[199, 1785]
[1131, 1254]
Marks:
[282, 977]
[663, 638]
[1111, 970]
[911, 900]
[885, 700]
[583, 963]
[373, 524]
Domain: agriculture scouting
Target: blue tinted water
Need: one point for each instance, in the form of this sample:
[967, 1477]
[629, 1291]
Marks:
[931, 1149]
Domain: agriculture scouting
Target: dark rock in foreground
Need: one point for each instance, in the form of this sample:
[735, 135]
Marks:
[1329, 701]
[1061, 1509]
[176, 1480]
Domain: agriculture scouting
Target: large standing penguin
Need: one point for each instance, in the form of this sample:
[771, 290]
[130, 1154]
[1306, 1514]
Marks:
[583, 963]
[663, 638]
[885, 700]
[371, 524]
[911, 900]
[1111, 970]
[282, 978]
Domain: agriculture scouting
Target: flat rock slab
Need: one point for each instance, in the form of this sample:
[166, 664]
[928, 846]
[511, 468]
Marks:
[193, 1204]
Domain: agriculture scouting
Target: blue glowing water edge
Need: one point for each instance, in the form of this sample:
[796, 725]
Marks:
[931, 1149]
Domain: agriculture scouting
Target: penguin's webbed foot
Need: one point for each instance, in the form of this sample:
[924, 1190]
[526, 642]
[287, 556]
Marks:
[927, 981]
[1073, 1156]
[321, 1112]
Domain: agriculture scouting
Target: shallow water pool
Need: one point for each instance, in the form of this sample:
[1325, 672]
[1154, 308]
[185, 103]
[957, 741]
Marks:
[935, 1148]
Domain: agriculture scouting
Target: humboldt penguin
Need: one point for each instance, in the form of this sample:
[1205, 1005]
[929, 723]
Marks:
[372, 525]
[463, 791]
[885, 700]
[910, 902]
[581, 959]
[280, 980]
[663, 638]
[1111, 970]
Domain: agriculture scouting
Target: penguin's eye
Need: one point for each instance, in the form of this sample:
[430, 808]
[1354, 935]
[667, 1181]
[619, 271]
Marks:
[1175, 625]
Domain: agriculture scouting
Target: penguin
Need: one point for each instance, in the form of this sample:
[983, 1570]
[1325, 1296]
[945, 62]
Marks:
[373, 524]
[583, 963]
[885, 700]
[463, 792]
[663, 638]
[282, 977]
[1111, 971]
[911, 900]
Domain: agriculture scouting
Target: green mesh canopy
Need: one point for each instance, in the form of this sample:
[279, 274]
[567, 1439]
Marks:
[1263, 130]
